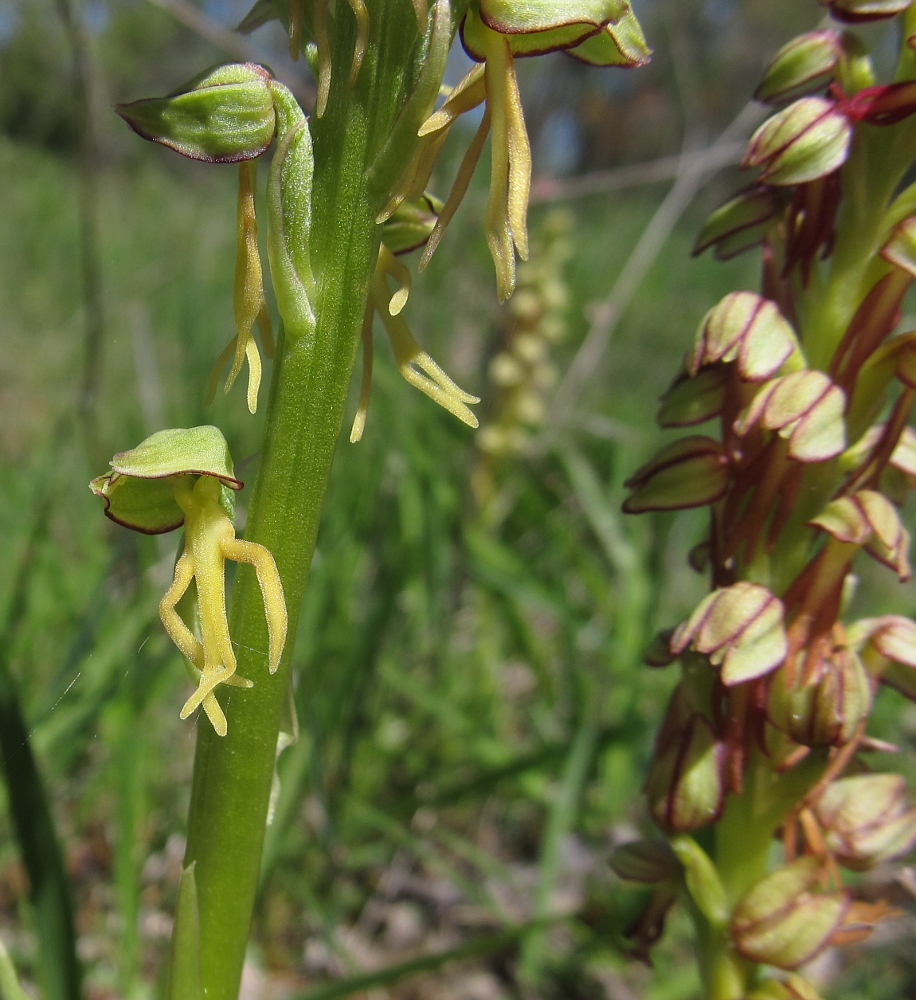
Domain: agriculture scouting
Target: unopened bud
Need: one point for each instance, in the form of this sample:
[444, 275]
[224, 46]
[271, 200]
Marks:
[740, 628]
[411, 224]
[739, 224]
[222, 116]
[800, 66]
[806, 140]
[783, 921]
[691, 472]
[747, 329]
[694, 400]
[825, 710]
[866, 820]
[868, 518]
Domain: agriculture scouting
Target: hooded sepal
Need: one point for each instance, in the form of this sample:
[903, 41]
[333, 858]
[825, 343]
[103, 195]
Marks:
[739, 224]
[740, 628]
[868, 518]
[859, 11]
[139, 492]
[804, 407]
[222, 116]
[866, 819]
[747, 329]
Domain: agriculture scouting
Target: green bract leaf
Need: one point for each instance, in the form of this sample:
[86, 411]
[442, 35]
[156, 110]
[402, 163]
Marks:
[620, 44]
[802, 63]
[184, 981]
[703, 882]
[139, 491]
[222, 116]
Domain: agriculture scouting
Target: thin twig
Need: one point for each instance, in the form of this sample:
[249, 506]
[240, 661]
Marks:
[232, 44]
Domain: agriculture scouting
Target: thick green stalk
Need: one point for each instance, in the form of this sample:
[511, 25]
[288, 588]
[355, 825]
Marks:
[232, 775]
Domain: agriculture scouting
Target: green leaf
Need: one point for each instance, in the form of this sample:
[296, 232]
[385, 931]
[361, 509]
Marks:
[9, 981]
[184, 967]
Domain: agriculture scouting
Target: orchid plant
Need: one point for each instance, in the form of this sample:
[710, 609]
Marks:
[761, 780]
[346, 195]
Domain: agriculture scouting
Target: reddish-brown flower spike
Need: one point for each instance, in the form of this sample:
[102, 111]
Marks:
[808, 139]
[866, 820]
[748, 329]
[740, 628]
[869, 519]
[802, 65]
[804, 407]
[783, 921]
[691, 472]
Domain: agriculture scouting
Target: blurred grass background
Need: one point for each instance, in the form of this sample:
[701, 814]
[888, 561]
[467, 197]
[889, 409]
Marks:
[475, 717]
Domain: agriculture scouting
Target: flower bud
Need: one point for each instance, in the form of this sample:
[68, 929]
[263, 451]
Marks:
[685, 785]
[857, 11]
[800, 66]
[826, 709]
[747, 329]
[900, 249]
[806, 408]
[740, 628]
[222, 116]
[646, 861]
[411, 225]
[807, 140]
[868, 518]
[691, 472]
[783, 921]
[865, 819]
[694, 400]
[739, 224]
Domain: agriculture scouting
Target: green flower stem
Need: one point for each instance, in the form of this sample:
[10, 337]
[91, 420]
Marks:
[232, 775]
